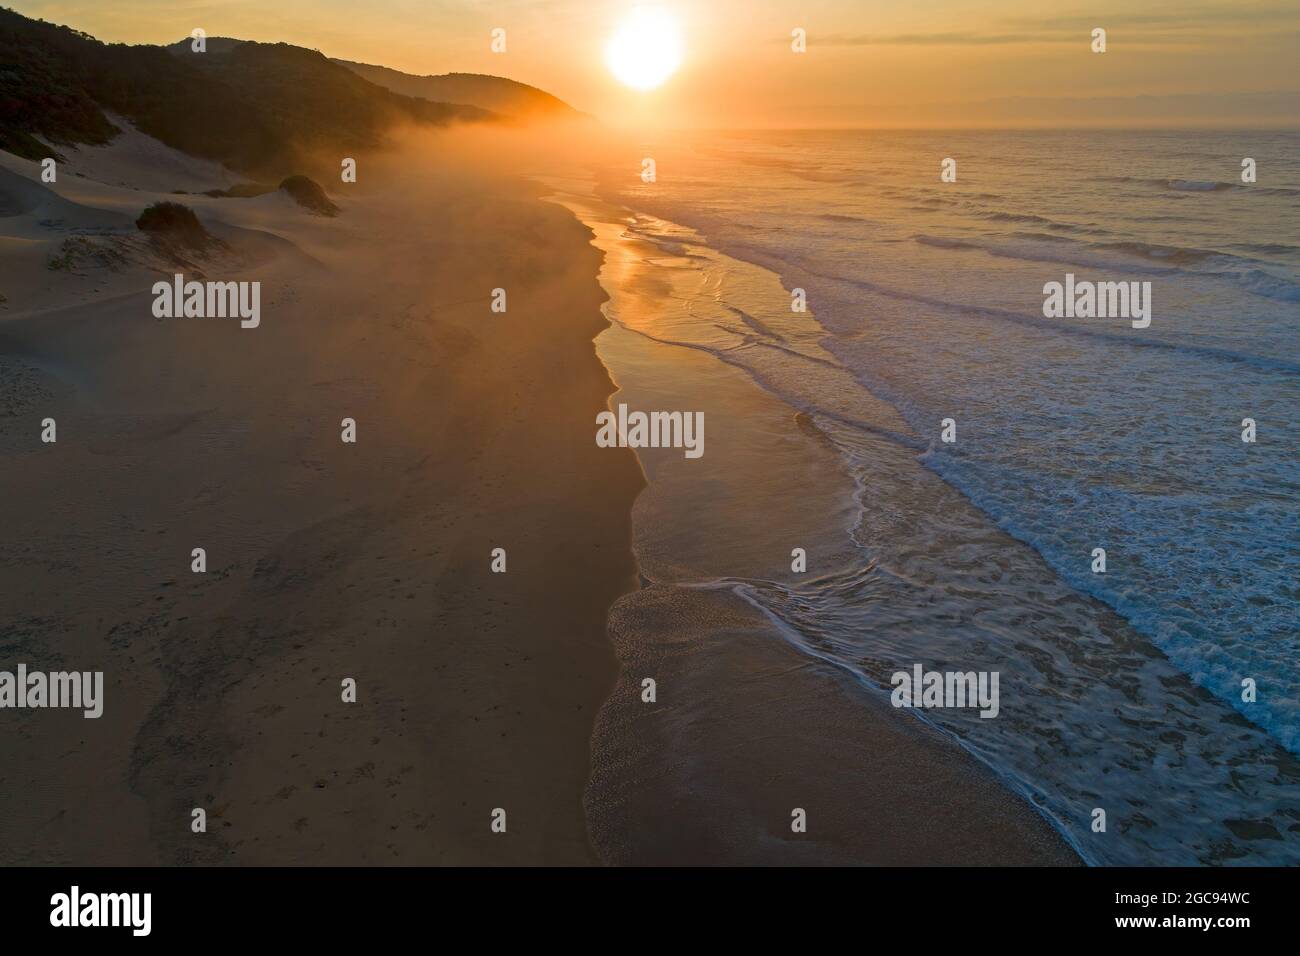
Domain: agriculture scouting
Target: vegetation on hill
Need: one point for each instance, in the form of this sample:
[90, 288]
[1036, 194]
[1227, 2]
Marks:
[495, 93]
[256, 107]
[40, 94]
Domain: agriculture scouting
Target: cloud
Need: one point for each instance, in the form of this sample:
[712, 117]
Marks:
[1187, 24]
[934, 39]
[1262, 17]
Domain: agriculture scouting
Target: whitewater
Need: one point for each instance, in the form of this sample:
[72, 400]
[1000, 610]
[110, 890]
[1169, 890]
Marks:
[1123, 688]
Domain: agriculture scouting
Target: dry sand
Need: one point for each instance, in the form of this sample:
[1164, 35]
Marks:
[325, 560]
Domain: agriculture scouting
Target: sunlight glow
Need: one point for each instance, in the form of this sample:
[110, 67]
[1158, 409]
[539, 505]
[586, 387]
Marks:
[646, 49]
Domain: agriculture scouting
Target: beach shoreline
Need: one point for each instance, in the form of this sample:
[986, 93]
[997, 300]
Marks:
[674, 436]
[478, 691]
[745, 728]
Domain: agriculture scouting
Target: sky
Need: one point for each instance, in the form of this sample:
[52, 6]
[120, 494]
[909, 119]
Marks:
[869, 63]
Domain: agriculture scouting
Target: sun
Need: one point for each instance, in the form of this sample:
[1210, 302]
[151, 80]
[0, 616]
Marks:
[646, 49]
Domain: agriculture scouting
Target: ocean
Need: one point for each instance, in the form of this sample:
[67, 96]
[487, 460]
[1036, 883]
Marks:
[1127, 690]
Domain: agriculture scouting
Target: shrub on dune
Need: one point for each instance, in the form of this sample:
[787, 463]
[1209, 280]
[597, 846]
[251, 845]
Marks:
[308, 194]
[174, 222]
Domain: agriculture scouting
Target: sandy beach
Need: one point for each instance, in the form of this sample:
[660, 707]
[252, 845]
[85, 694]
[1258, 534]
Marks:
[325, 560]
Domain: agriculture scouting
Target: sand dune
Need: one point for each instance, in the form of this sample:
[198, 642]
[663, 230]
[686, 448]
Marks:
[137, 161]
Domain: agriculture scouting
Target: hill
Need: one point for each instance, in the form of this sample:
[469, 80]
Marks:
[256, 107]
[495, 93]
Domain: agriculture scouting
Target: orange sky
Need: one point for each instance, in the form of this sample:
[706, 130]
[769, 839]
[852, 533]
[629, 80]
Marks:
[869, 63]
